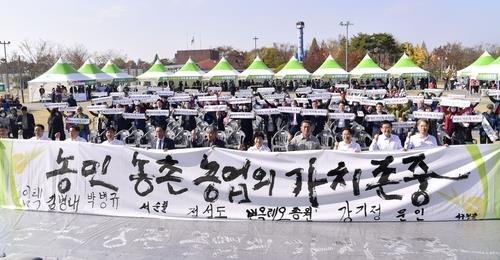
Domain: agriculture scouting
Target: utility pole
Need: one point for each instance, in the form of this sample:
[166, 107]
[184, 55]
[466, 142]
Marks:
[255, 45]
[5, 43]
[20, 77]
[346, 24]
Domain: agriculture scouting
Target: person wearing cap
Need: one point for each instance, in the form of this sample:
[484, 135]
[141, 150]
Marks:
[492, 118]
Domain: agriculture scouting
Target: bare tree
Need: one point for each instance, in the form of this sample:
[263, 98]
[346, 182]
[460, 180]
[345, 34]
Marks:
[39, 55]
[76, 55]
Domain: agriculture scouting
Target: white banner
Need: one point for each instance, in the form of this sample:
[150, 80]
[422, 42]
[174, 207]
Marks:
[290, 110]
[433, 90]
[352, 98]
[319, 90]
[322, 96]
[224, 98]
[314, 112]
[267, 111]
[101, 100]
[370, 92]
[112, 111]
[455, 96]
[207, 98]
[215, 108]
[180, 98]
[370, 102]
[99, 94]
[275, 96]
[55, 105]
[157, 112]
[244, 94]
[348, 116]
[96, 108]
[355, 91]
[265, 90]
[454, 102]
[182, 111]
[165, 93]
[134, 115]
[68, 109]
[415, 98]
[216, 89]
[428, 115]
[77, 121]
[242, 115]
[373, 118]
[191, 90]
[305, 90]
[123, 101]
[117, 94]
[395, 101]
[467, 119]
[243, 100]
[139, 96]
[344, 86]
[428, 185]
[490, 132]
[399, 125]
[428, 101]
[492, 92]
[302, 100]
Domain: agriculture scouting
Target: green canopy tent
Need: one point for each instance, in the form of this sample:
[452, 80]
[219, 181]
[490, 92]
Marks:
[491, 72]
[258, 70]
[330, 69]
[222, 71]
[116, 73]
[90, 70]
[477, 67]
[188, 72]
[293, 69]
[406, 68]
[367, 68]
[156, 73]
[60, 73]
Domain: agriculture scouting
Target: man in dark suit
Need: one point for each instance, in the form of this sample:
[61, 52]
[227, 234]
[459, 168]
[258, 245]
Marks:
[26, 122]
[211, 141]
[161, 141]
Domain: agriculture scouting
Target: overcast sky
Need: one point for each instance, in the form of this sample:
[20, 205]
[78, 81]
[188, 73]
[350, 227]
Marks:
[142, 28]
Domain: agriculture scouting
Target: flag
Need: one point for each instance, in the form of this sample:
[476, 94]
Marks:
[192, 40]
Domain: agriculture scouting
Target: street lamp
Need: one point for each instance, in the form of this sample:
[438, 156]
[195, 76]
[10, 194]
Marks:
[5, 43]
[346, 24]
[255, 45]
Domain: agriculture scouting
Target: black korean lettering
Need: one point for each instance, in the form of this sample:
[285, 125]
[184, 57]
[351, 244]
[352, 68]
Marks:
[89, 167]
[312, 183]
[230, 173]
[259, 174]
[64, 185]
[141, 176]
[169, 163]
[383, 167]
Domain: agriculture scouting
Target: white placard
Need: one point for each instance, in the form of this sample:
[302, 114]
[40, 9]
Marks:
[347, 116]
[224, 98]
[265, 90]
[198, 94]
[355, 91]
[157, 112]
[275, 96]
[399, 125]
[314, 112]
[77, 121]
[242, 115]
[433, 90]
[267, 111]
[102, 100]
[319, 90]
[240, 101]
[123, 101]
[352, 98]
[302, 100]
[183, 111]
[467, 119]
[374, 118]
[492, 92]
[207, 98]
[216, 89]
[180, 98]
[290, 110]
[191, 90]
[395, 101]
[139, 96]
[322, 96]
[428, 101]
[305, 90]
[428, 115]
[370, 102]
[344, 86]
[112, 111]
[360, 113]
[68, 109]
[474, 100]
[455, 96]
[117, 94]
[164, 93]
[370, 92]
[454, 102]
[415, 98]
[55, 105]
[215, 108]
[99, 94]
[134, 115]
[244, 94]
[96, 107]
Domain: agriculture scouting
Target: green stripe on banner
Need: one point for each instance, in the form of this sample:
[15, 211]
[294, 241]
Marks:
[3, 174]
[496, 181]
[475, 153]
[7, 177]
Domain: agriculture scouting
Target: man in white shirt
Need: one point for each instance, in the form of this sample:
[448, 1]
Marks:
[258, 139]
[422, 139]
[347, 144]
[110, 137]
[74, 135]
[386, 141]
[39, 129]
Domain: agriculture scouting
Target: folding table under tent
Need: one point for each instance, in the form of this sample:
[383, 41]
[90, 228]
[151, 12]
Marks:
[222, 71]
[258, 71]
[116, 73]
[330, 69]
[367, 68]
[292, 70]
[60, 73]
[406, 68]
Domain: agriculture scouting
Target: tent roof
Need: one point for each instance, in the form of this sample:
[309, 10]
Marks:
[63, 73]
[293, 69]
[330, 69]
[477, 67]
[257, 70]
[90, 70]
[155, 73]
[222, 71]
[406, 67]
[367, 68]
[114, 71]
[190, 71]
[491, 72]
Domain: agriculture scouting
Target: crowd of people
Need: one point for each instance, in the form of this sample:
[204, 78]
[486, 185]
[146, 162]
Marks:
[304, 131]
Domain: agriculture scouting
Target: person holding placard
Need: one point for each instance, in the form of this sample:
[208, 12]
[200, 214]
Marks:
[422, 139]
[386, 141]
[347, 144]
[84, 128]
[493, 121]
[56, 125]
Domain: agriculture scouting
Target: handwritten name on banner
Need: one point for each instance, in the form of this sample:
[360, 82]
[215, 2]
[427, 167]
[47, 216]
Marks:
[321, 185]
